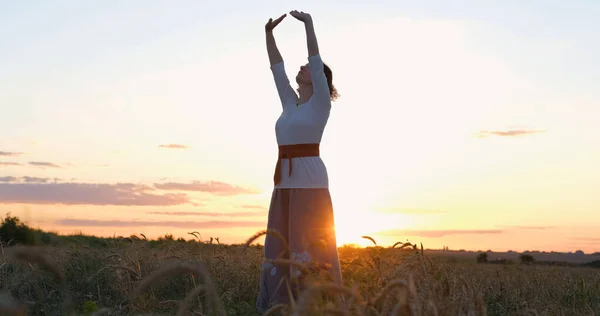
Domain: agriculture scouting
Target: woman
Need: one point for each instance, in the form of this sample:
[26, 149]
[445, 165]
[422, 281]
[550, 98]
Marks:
[301, 208]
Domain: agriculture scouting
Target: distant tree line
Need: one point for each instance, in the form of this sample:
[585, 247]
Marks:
[15, 232]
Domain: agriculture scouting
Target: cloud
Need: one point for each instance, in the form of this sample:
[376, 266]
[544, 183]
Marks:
[35, 190]
[415, 211]
[42, 192]
[27, 179]
[439, 233]
[508, 133]
[8, 163]
[173, 224]
[213, 187]
[586, 239]
[527, 227]
[9, 154]
[38, 180]
[253, 207]
[44, 164]
[210, 214]
[174, 146]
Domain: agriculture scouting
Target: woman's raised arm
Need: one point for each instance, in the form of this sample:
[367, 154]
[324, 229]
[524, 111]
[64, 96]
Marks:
[311, 38]
[272, 50]
[320, 86]
[287, 95]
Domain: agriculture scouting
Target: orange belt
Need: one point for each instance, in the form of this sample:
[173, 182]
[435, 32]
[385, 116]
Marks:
[294, 151]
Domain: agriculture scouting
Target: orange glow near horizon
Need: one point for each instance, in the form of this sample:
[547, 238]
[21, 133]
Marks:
[351, 227]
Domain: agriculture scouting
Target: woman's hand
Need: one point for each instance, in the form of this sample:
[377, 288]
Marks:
[272, 24]
[301, 16]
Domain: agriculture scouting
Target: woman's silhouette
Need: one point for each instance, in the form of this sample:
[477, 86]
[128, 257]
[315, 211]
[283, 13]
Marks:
[301, 208]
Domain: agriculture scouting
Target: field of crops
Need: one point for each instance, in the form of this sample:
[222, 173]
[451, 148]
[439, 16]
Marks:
[132, 276]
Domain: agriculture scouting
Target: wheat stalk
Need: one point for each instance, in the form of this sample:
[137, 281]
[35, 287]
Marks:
[335, 311]
[271, 232]
[308, 294]
[102, 311]
[432, 308]
[402, 245]
[407, 303]
[116, 267]
[112, 255]
[189, 299]
[173, 269]
[370, 238]
[128, 269]
[481, 307]
[401, 308]
[301, 266]
[388, 302]
[387, 289]
[34, 255]
[275, 308]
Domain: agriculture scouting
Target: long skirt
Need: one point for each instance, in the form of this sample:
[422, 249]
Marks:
[304, 218]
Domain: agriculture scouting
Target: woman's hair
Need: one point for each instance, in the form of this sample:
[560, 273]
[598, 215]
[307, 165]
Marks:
[333, 93]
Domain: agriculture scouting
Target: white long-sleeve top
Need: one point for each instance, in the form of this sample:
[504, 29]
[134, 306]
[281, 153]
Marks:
[303, 124]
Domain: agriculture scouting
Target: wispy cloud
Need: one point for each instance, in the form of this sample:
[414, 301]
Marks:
[44, 164]
[9, 163]
[586, 239]
[86, 194]
[9, 179]
[523, 227]
[439, 233]
[507, 133]
[27, 179]
[414, 211]
[213, 187]
[174, 146]
[173, 224]
[35, 190]
[39, 180]
[253, 207]
[209, 214]
[9, 154]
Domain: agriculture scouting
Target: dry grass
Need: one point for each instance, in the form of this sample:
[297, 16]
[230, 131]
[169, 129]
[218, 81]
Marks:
[137, 277]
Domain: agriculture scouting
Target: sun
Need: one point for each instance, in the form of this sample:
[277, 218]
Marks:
[349, 230]
[360, 202]
[352, 225]
[356, 216]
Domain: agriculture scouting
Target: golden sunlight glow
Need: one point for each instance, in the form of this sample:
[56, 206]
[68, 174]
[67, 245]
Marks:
[355, 216]
[356, 197]
[350, 227]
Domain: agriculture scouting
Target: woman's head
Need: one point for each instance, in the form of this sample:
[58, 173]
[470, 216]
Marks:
[303, 78]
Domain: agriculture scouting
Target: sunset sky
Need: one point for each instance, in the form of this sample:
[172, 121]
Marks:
[466, 124]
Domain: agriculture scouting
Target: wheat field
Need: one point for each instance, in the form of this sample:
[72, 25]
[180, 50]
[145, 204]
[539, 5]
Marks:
[134, 276]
